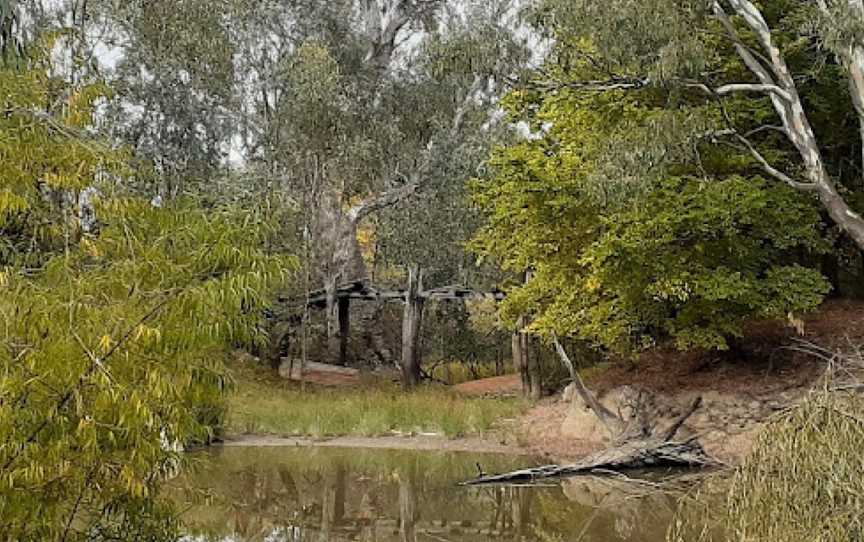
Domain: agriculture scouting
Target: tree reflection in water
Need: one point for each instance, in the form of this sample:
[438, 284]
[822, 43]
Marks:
[323, 495]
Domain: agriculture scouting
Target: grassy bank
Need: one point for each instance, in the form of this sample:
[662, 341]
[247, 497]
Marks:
[264, 404]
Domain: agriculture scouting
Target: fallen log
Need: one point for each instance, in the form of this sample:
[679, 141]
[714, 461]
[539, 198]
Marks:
[633, 455]
[637, 444]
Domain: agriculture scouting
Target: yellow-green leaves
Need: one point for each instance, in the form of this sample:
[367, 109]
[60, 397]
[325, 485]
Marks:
[111, 340]
[114, 346]
[636, 229]
[48, 157]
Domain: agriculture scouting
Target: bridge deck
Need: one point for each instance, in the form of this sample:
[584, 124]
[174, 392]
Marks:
[362, 291]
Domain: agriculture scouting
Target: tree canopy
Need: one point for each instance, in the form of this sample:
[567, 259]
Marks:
[114, 322]
[636, 214]
[655, 171]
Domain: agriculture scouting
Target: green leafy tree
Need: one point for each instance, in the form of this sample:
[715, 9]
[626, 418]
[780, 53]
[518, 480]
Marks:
[734, 51]
[49, 159]
[633, 232]
[369, 105]
[113, 337]
[693, 261]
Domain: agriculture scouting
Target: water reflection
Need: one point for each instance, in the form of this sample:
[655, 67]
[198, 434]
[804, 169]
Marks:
[323, 495]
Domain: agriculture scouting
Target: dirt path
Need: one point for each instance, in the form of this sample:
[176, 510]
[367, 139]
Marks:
[497, 385]
[426, 443]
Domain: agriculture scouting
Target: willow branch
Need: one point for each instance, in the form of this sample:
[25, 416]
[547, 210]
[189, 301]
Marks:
[92, 367]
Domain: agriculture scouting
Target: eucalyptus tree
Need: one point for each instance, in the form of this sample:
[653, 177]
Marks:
[729, 52]
[642, 213]
[175, 104]
[361, 104]
[171, 69]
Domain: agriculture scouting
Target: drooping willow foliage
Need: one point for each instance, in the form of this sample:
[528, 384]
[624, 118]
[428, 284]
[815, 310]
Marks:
[111, 337]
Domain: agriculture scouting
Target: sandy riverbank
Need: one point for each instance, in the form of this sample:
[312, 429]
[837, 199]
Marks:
[386, 442]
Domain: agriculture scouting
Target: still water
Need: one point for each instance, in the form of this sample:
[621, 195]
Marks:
[317, 494]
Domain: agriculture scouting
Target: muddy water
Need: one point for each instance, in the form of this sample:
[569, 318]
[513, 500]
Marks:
[308, 494]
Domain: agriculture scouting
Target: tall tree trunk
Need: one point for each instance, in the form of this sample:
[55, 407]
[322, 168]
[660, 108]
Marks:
[524, 362]
[518, 349]
[533, 370]
[412, 320]
[840, 211]
[521, 346]
[337, 255]
[332, 309]
[527, 362]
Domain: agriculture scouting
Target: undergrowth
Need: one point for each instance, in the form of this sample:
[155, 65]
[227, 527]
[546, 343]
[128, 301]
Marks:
[457, 371]
[802, 482]
[265, 404]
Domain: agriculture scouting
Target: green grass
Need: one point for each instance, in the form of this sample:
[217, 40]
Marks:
[263, 404]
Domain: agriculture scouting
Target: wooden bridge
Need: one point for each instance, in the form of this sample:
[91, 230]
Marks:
[414, 298]
[362, 291]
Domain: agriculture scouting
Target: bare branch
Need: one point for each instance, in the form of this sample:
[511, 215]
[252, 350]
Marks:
[623, 83]
[382, 201]
[766, 128]
[675, 427]
[613, 83]
[752, 87]
[763, 162]
[612, 422]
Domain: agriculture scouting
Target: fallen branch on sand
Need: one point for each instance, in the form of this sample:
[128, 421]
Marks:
[635, 447]
[642, 454]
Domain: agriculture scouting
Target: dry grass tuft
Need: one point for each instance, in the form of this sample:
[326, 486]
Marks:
[803, 481]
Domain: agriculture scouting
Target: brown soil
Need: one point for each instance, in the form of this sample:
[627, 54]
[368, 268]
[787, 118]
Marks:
[539, 432]
[497, 385]
[768, 360]
[768, 363]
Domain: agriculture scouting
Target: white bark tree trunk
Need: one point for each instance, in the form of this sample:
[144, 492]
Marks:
[791, 111]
